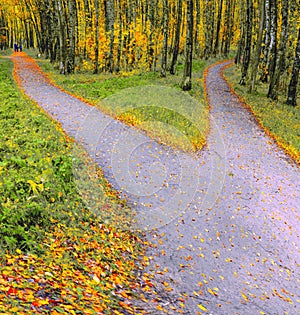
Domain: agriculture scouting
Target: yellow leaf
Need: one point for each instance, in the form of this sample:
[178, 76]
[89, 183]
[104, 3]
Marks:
[96, 279]
[159, 308]
[35, 187]
[202, 308]
[212, 292]
[245, 297]
[14, 309]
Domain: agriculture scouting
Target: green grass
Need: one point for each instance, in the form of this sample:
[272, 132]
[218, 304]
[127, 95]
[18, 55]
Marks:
[154, 104]
[281, 120]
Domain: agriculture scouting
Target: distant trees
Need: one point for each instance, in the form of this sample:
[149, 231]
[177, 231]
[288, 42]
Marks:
[273, 28]
[124, 35]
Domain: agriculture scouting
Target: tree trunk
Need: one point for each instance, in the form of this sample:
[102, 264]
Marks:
[273, 47]
[71, 36]
[152, 25]
[258, 46]
[87, 25]
[208, 29]
[219, 20]
[110, 22]
[247, 51]
[266, 51]
[120, 37]
[166, 35]
[177, 38]
[187, 75]
[241, 43]
[227, 29]
[197, 26]
[62, 37]
[96, 69]
[292, 91]
[274, 86]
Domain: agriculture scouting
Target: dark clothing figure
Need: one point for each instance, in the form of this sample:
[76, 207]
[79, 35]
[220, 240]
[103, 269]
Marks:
[16, 49]
[21, 47]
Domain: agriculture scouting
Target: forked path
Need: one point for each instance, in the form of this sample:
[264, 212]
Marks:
[226, 238]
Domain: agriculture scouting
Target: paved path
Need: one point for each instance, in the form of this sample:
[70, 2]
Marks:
[226, 218]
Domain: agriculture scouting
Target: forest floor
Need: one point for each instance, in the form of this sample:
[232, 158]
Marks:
[222, 224]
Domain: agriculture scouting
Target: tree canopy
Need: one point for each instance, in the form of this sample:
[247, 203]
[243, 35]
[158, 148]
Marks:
[150, 35]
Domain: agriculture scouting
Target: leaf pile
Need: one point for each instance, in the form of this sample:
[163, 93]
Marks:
[84, 271]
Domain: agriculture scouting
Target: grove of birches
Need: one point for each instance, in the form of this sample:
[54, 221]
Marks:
[121, 36]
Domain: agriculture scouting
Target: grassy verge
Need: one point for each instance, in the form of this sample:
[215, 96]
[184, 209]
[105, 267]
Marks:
[56, 255]
[280, 120]
[154, 104]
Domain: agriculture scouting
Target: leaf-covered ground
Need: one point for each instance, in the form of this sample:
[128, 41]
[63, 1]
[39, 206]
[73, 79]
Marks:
[84, 270]
[56, 256]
